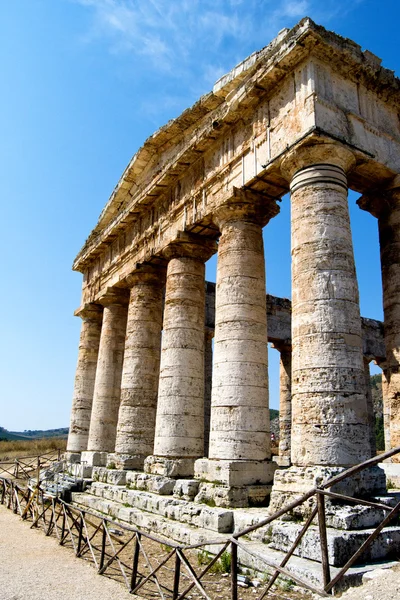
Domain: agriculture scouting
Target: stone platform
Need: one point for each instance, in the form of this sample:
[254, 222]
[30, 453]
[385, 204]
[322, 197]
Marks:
[179, 509]
[185, 521]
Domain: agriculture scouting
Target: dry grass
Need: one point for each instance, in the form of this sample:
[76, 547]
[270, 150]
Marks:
[17, 449]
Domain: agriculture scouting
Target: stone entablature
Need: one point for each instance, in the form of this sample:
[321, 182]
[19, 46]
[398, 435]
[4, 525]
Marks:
[311, 114]
[308, 83]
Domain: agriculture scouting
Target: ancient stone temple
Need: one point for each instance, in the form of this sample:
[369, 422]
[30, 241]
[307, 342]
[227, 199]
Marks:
[172, 376]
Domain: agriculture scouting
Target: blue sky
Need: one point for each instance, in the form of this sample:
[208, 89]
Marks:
[84, 82]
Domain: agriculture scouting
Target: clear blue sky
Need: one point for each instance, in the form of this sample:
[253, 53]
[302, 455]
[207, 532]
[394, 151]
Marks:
[84, 82]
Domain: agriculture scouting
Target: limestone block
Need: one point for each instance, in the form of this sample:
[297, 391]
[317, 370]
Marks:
[159, 465]
[186, 488]
[290, 484]
[235, 473]
[150, 482]
[111, 476]
[341, 544]
[80, 470]
[94, 459]
[217, 520]
[222, 496]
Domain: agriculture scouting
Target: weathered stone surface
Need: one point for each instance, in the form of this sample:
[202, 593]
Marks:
[180, 409]
[328, 388]
[186, 488]
[93, 458]
[112, 476]
[151, 483]
[107, 388]
[235, 473]
[389, 238]
[290, 484]
[341, 544]
[139, 385]
[81, 410]
[285, 402]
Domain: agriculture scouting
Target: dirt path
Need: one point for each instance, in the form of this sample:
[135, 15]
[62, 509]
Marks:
[35, 567]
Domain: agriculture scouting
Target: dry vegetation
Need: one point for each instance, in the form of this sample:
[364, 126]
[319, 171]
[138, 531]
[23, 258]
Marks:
[17, 449]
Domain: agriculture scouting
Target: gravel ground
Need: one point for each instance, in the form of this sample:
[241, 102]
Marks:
[35, 567]
[384, 585]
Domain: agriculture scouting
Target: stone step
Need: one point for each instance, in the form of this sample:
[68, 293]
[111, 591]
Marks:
[341, 544]
[308, 570]
[184, 511]
[183, 533]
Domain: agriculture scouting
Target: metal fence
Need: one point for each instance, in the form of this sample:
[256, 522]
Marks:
[147, 563]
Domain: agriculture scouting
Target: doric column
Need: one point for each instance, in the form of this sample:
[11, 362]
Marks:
[179, 436]
[329, 418]
[140, 373]
[285, 403]
[330, 429]
[107, 388]
[208, 360]
[389, 239]
[91, 315]
[240, 432]
[385, 205]
[370, 407]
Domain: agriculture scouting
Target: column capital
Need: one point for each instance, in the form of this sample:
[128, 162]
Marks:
[246, 205]
[380, 200]
[189, 245]
[90, 311]
[150, 274]
[318, 158]
[117, 296]
[282, 346]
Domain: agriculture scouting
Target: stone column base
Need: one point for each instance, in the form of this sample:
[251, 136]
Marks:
[73, 457]
[290, 484]
[169, 467]
[228, 496]
[235, 472]
[126, 462]
[92, 458]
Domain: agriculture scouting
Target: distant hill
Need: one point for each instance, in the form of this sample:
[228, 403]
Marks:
[34, 434]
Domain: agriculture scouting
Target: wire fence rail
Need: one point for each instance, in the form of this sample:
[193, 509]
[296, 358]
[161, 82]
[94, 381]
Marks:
[25, 467]
[134, 556]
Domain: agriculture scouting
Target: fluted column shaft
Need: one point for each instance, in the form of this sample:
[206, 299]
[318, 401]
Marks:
[179, 434]
[89, 341]
[140, 373]
[239, 407]
[107, 389]
[329, 422]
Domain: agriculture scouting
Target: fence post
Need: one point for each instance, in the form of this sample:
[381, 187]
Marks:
[62, 526]
[234, 571]
[135, 562]
[323, 537]
[78, 549]
[103, 546]
[176, 576]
